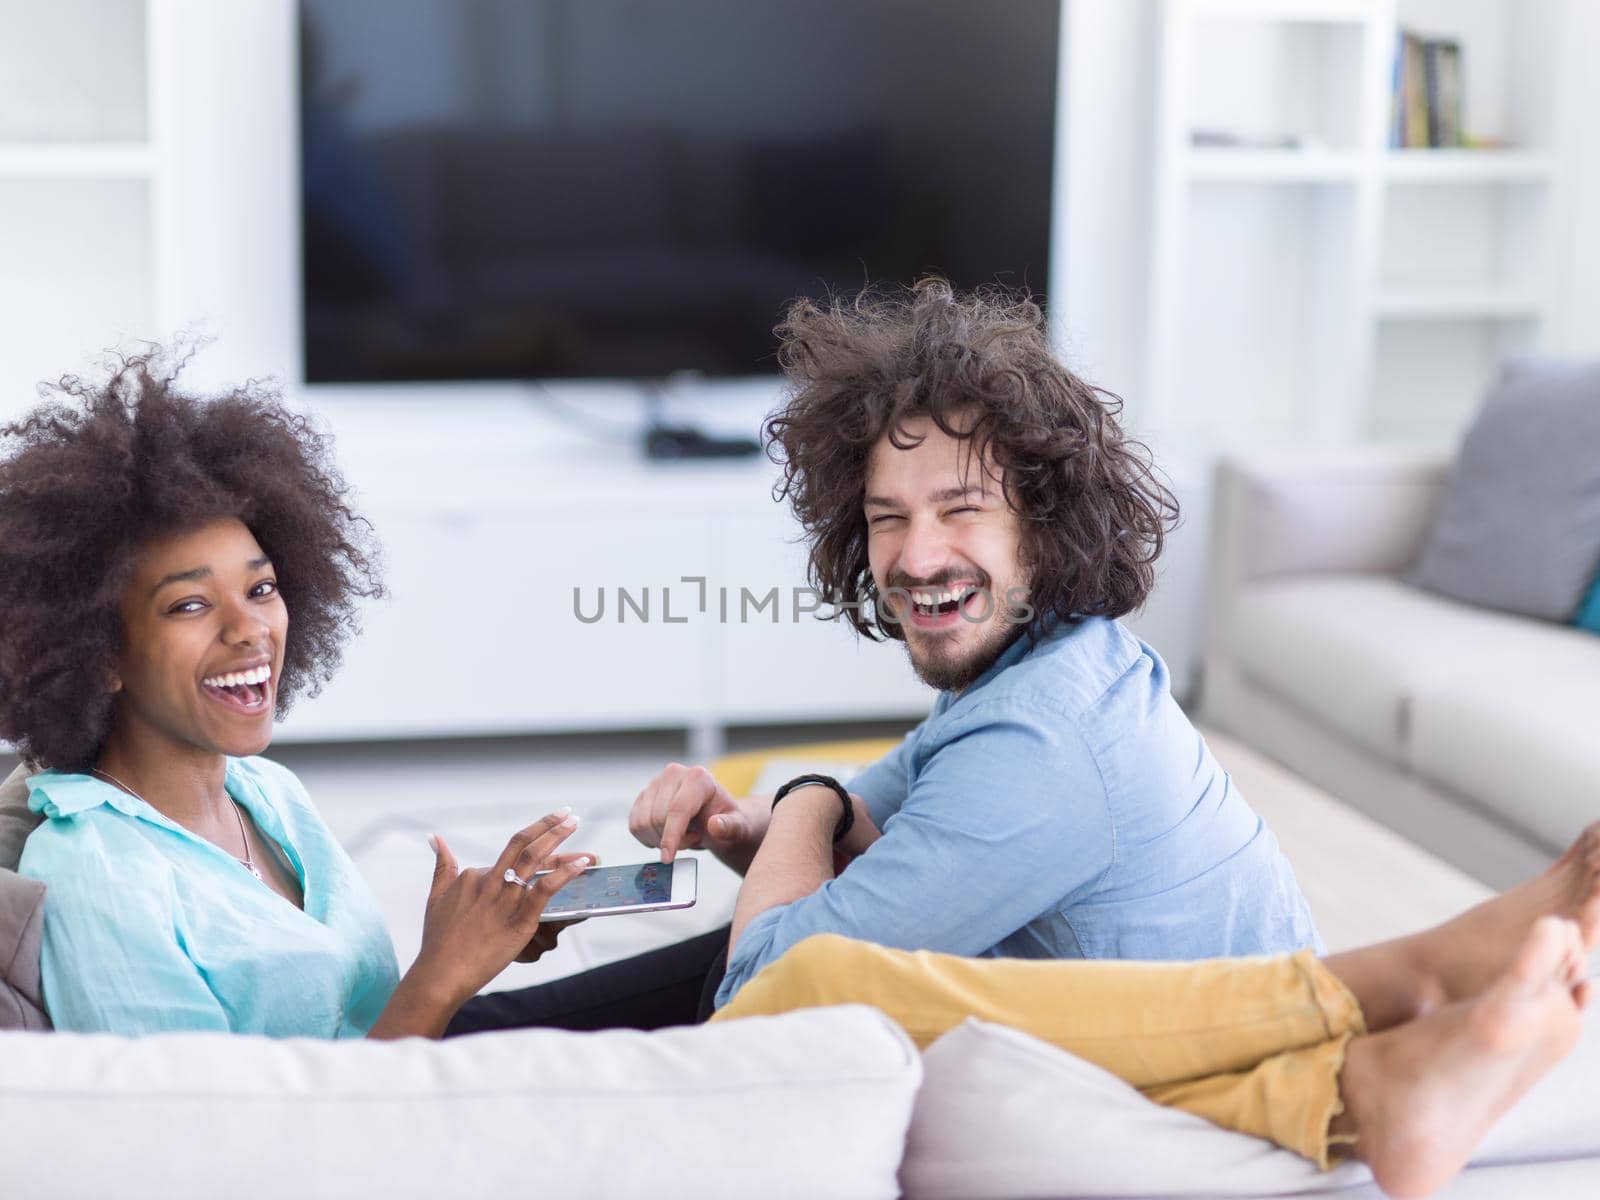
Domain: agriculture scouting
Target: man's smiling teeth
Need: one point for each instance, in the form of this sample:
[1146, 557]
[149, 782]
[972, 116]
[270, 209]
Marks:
[934, 599]
[235, 678]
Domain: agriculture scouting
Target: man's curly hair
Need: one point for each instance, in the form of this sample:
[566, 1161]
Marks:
[97, 471]
[1094, 515]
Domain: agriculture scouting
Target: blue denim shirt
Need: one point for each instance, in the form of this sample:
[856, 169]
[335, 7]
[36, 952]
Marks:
[1063, 806]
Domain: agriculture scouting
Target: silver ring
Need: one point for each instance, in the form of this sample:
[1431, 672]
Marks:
[512, 877]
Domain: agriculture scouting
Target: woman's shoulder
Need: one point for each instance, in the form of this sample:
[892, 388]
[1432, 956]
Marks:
[88, 848]
[66, 795]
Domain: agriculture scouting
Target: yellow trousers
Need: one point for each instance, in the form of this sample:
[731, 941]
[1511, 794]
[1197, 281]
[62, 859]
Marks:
[1251, 1044]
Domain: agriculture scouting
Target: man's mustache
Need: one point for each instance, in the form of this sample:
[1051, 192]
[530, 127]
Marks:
[900, 581]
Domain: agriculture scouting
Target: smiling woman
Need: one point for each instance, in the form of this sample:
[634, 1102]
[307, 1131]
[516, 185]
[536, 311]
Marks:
[206, 634]
[174, 571]
[109, 469]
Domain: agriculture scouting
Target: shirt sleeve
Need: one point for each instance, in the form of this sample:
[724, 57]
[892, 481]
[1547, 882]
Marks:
[974, 853]
[882, 786]
[112, 959]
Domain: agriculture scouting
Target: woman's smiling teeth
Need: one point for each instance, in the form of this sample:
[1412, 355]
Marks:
[243, 691]
[237, 678]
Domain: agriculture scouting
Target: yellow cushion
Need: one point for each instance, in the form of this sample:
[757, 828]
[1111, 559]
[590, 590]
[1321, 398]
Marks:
[739, 772]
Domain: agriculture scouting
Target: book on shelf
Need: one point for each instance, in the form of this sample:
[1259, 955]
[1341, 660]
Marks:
[1426, 93]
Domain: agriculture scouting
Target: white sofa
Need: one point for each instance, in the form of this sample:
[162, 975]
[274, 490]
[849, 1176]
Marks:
[1470, 732]
[804, 1105]
[823, 1103]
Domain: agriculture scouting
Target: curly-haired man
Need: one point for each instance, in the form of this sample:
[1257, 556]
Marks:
[979, 502]
[966, 494]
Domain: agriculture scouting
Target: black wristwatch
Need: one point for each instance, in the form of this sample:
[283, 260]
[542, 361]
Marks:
[846, 820]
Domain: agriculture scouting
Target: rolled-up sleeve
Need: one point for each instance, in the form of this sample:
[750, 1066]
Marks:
[963, 863]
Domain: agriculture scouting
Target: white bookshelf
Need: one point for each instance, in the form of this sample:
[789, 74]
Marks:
[1467, 166]
[84, 183]
[1272, 166]
[1326, 285]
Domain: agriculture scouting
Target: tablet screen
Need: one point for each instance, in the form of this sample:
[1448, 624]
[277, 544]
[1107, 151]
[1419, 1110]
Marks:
[614, 887]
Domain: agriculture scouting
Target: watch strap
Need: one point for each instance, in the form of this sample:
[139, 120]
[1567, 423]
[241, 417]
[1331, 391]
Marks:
[847, 818]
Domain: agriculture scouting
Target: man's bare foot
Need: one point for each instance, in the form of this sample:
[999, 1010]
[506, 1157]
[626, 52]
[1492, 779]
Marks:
[1398, 980]
[1421, 1096]
[1467, 953]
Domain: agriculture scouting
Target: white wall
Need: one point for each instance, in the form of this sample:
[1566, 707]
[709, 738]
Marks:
[1579, 317]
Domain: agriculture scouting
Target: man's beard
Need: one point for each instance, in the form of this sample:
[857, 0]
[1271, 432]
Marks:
[951, 671]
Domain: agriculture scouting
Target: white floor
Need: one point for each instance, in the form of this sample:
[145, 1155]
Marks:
[1363, 882]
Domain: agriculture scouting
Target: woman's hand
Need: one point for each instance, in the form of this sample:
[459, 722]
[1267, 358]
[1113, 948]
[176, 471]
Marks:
[544, 940]
[476, 924]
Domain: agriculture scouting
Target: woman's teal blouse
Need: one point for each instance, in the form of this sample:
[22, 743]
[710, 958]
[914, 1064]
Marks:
[149, 928]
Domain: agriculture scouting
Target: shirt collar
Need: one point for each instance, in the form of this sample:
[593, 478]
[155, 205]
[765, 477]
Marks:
[67, 793]
[1020, 648]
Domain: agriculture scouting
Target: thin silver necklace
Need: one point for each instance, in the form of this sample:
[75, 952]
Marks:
[246, 862]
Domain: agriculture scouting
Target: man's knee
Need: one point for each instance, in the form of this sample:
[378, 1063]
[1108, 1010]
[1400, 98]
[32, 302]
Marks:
[822, 953]
[811, 969]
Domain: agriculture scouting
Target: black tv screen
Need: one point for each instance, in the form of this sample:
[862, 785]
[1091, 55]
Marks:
[533, 189]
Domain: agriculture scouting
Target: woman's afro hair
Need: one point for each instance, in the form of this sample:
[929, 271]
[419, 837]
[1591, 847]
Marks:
[99, 469]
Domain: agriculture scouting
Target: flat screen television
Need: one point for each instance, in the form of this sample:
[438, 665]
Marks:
[541, 189]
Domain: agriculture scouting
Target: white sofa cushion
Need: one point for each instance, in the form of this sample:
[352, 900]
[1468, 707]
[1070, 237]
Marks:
[1355, 650]
[1519, 738]
[1003, 1114]
[807, 1104]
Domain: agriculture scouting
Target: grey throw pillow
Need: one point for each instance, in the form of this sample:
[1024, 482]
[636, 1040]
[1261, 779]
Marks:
[1520, 526]
[17, 820]
[21, 930]
[21, 912]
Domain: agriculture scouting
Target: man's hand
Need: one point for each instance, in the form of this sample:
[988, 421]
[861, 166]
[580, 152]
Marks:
[685, 808]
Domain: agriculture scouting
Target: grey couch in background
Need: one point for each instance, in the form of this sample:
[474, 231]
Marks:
[1469, 731]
